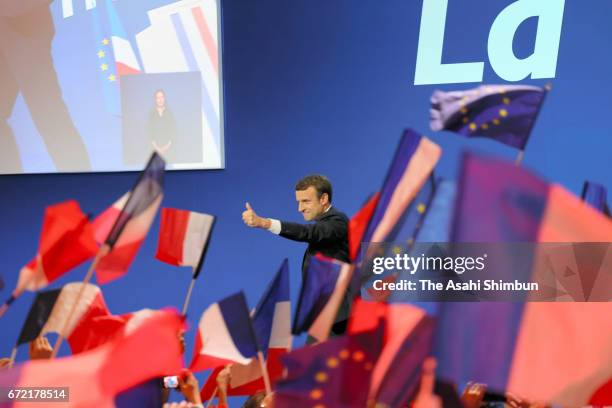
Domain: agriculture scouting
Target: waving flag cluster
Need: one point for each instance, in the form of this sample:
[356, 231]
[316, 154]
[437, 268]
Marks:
[499, 202]
[96, 377]
[272, 324]
[323, 374]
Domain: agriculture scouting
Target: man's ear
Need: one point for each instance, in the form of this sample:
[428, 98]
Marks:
[324, 199]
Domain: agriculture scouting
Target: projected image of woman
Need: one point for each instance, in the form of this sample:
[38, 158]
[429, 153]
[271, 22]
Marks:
[162, 127]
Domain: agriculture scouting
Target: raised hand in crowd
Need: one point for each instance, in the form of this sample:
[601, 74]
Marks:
[40, 349]
[189, 387]
[425, 397]
[223, 380]
[5, 363]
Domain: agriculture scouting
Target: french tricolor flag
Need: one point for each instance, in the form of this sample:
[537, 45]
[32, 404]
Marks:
[66, 241]
[225, 335]
[183, 237]
[51, 309]
[272, 324]
[414, 160]
[123, 227]
[325, 283]
[140, 353]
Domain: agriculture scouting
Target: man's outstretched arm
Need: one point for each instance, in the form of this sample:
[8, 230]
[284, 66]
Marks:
[334, 229]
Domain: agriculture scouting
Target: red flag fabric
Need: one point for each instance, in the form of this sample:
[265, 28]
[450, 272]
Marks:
[404, 324]
[183, 236]
[66, 241]
[359, 223]
[96, 376]
[124, 226]
[116, 264]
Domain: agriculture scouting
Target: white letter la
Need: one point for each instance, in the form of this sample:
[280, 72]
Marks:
[541, 64]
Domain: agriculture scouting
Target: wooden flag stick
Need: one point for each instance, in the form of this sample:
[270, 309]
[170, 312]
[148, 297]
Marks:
[5, 306]
[519, 157]
[212, 397]
[188, 297]
[264, 372]
[13, 357]
[105, 249]
[19, 290]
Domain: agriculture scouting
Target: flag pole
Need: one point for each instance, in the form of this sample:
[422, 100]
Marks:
[519, 157]
[19, 290]
[521, 154]
[197, 269]
[212, 397]
[8, 302]
[264, 372]
[13, 357]
[188, 297]
[104, 249]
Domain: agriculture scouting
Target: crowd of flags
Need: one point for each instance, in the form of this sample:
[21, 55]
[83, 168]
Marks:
[546, 352]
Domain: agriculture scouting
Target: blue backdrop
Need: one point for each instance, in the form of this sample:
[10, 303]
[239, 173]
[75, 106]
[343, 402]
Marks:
[322, 86]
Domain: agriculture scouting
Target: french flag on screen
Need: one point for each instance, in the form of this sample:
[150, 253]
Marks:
[225, 335]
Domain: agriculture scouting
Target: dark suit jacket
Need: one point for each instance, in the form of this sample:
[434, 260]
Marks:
[328, 236]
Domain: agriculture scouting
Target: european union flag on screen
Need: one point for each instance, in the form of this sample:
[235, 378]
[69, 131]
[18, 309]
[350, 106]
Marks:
[505, 113]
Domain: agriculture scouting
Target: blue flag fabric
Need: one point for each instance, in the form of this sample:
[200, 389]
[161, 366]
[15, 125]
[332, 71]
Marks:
[263, 318]
[497, 202]
[148, 188]
[238, 323]
[596, 195]
[403, 236]
[404, 373]
[317, 288]
[335, 373]
[505, 113]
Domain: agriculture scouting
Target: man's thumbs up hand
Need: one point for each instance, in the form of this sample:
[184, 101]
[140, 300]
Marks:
[250, 218]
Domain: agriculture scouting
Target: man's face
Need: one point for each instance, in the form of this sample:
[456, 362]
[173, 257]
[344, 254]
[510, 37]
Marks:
[309, 204]
[160, 99]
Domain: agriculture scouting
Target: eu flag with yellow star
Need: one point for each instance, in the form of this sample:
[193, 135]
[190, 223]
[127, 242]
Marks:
[505, 113]
[335, 373]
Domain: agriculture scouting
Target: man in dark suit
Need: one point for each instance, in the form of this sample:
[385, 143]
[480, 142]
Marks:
[26, 68]
[328, 234]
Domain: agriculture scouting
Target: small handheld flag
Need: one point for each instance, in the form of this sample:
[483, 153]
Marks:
[66, 241]
[183, 241]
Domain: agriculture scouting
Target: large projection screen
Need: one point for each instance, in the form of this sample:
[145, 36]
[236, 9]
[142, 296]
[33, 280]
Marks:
[90, 85]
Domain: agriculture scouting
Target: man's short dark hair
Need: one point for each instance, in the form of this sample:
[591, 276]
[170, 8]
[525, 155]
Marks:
[319, 182]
